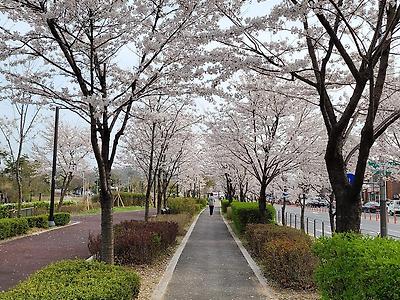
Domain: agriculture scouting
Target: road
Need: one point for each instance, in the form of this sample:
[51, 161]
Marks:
[370, 223]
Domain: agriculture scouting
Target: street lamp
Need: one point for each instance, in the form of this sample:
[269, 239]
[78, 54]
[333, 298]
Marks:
[54, 168]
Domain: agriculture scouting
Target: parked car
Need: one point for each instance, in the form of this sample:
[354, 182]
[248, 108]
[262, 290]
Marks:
[324, 202]
[314, 202]
[371, 206]
[394, 207]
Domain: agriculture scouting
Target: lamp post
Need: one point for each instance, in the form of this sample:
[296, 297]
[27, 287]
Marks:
[54, 168]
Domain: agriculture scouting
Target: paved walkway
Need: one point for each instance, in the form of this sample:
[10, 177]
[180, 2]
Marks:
[21, 257]
[212, 266]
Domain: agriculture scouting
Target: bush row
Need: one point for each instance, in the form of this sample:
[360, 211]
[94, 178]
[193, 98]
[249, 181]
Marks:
[358, 267]
[41, 221]
[244, 213]
[6, 209]
[181, 205]
[77, 279]
[13, 227]
[137, 242]
[224, 205]
[129, 199]
[285, 252]
[62, 219]
[10, 227]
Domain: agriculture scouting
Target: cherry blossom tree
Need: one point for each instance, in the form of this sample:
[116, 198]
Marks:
[340, 49]
[158, 142]
[72, 153]
[97, 58]
[267, 132]
[16, 131]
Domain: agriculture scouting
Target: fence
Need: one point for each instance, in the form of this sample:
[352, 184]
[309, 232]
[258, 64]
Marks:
[314, 227]
[25, 212]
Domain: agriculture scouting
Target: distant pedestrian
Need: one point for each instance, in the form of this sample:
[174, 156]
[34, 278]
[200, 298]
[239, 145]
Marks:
[211, 203]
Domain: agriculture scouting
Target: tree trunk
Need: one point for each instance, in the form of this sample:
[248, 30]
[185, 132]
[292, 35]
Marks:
[302, 208]
[107, 234]
[348, 200]
[19, 185]
[284, 211]
[159, 192]
[348, 212]
[149, 175]
[229, 195]
[241, 193]
[164, 191]
[66, 182]
[262, 201]
[332, 213]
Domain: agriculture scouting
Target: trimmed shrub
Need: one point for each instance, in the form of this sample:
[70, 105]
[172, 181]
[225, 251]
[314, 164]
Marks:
[224, 205]
[259, 234]
[13, 227]
[229, 213]
[202, 202]
[358, 267]
[5, 211]
[129, 199]
[180, 205]
[291, 263]
[41, 221]
[244, 213]
[78, 279]
[181, 219]
[62, 219]
[137, 242]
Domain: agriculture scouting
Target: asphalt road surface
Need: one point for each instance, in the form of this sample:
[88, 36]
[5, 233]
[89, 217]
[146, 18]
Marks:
[370, 223]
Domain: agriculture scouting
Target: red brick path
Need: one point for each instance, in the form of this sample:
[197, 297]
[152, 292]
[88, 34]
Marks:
[20, 258]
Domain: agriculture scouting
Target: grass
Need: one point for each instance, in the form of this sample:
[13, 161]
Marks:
[95, 211]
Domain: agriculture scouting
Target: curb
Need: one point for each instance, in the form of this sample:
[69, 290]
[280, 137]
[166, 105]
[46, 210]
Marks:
[38, 233]
[161, 287]
[270, 294]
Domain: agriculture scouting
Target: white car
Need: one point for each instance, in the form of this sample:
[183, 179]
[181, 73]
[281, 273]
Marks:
[394, 207]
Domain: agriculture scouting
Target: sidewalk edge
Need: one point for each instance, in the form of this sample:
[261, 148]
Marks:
[161, 287]
[270, 294]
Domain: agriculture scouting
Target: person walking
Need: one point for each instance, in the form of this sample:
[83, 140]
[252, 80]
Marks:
[211, 203]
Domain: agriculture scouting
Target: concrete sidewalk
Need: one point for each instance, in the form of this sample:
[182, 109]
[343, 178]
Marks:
[19, 258]
[212, 266]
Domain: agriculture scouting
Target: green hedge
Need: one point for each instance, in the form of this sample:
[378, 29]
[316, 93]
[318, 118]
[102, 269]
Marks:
[202, 202]
[5, 209]
[41, 221]
[224, 205]
[358, 267]
[180, 205]
[62, 219]
[244, 213]
[77, 279]
[129, 199]
[13, 227]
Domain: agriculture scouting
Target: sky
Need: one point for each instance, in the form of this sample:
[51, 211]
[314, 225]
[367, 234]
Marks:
[125, 59]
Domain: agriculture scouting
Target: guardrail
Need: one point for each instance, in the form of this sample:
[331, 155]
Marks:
[314, 227]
